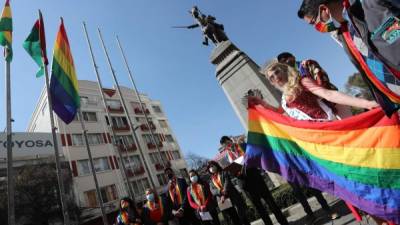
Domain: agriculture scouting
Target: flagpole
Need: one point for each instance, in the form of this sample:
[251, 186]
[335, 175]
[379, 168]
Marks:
[126, 109]
[56, 150]
[100, 85]
[140, 101]
[10, 170]
[96, 182]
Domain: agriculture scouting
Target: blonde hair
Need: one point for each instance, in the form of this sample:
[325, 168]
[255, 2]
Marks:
[292, 88]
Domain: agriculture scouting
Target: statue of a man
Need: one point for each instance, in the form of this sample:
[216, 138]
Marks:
[211, 30]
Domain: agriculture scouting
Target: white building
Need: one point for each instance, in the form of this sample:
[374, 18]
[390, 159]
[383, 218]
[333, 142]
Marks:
[105, 157]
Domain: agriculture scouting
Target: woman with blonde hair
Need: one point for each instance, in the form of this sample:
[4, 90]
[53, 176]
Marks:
[303, 99]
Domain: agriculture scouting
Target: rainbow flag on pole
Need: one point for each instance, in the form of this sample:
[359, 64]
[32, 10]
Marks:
[356, 159]
[63, 83]
[6, 30]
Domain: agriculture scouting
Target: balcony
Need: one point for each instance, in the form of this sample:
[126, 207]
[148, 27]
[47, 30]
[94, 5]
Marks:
[115, 109]
[139, 170]
[144, 127]
[138, 110]
[123, 128]
[160, 166]
[129, 148]
[151, 146]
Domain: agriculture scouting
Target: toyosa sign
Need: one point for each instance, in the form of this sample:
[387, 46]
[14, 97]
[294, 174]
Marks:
[28, 145]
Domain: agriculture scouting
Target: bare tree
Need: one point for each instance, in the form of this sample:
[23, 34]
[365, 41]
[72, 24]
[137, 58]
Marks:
[195, 161]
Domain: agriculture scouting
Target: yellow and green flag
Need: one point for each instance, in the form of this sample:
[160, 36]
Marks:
[6, 30]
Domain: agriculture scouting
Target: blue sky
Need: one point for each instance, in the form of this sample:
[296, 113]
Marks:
[170, 65]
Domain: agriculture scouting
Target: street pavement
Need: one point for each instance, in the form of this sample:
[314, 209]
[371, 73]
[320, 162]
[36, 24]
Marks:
[297, 216]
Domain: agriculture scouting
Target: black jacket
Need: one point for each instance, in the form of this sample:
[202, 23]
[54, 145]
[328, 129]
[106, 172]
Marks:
[182, 187]
[371, 18]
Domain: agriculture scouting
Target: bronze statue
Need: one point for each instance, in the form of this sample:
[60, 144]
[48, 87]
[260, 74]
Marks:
[211, 30]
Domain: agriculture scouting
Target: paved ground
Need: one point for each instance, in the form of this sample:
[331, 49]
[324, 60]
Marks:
[296, 214]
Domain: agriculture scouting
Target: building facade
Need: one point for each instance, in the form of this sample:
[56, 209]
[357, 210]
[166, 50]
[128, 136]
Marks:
[104, 146]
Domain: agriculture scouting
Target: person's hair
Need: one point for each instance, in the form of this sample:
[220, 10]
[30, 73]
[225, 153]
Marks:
[168, 169]
[129, 200]
[214, 163]
[284, 55]
[293, 87]
[224, 139]
[310, 7]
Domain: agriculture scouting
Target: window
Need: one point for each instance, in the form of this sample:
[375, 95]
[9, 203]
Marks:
[89, 116]
[119, 122]
[95, 139]
[84, 100]
[169, 138]
[176, 155]
[163, 123]
[140, 186]
[155, 158]
[109, 193]
[90, 197]
[156, 108]
[83, 167]
[162, 179]
[113, 104]
[127, 139]
[77, 140]
[147, 138]
[133, 162]
[101, 164]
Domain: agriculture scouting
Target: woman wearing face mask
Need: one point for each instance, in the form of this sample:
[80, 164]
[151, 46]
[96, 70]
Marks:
[200, 198]
[222, 187]
[155, 211]
[127, 213]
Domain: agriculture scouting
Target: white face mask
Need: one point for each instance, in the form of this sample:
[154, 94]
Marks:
[150, 197]
[194, 179]
[213, 169]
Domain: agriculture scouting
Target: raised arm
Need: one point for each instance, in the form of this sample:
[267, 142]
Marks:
[336, 96]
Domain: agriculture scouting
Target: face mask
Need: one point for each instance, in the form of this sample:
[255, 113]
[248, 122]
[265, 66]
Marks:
[150, 197]
[325, 27]
[170, 176]
[194, 179]
[124, 205]
[213, 169]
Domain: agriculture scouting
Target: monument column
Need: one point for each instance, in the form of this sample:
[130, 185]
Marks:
[237, 73]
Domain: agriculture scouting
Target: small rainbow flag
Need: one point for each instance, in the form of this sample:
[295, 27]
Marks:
[64, 84]
[356, 159]
[6, 30]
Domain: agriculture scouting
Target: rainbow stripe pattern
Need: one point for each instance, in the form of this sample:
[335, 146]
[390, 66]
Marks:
[64, 84]
[6, 30]
[356, 159]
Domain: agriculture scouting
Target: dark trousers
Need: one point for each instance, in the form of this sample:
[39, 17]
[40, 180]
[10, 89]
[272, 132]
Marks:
[189, 218]
[256, 196]
[234, 216]
[298, 193]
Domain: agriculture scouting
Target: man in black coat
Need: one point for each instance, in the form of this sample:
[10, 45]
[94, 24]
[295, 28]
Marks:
[257, 189]
[176, 195]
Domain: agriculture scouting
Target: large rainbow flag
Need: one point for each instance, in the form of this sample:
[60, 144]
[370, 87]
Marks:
[64, 84]
[356, 159]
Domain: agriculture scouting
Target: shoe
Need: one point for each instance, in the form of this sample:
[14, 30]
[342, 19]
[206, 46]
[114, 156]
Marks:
[335, 216]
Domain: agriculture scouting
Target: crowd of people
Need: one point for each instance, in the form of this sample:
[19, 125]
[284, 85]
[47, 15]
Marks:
[368, 31]
[201, 201]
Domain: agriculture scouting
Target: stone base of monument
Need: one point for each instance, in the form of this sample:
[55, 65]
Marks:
[237, 73]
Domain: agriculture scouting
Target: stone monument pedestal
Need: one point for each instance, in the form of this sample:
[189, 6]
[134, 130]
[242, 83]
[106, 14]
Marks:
[237, 73]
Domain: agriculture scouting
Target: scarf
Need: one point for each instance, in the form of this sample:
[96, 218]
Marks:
[197, 192]
[216, 179]
[175, 192]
